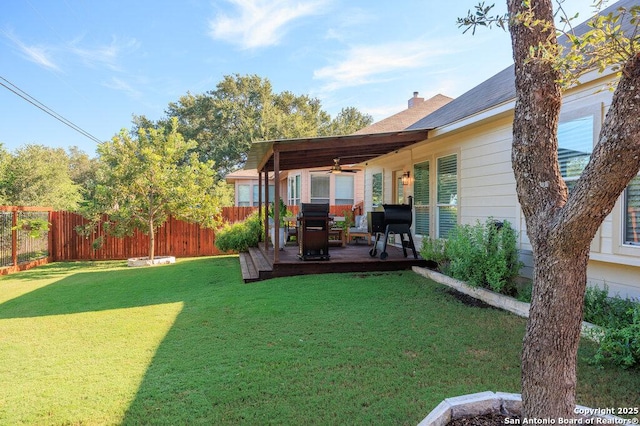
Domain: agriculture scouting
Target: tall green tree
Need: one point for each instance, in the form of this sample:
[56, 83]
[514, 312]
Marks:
[5, 158]
[36, 175]
[561, 225]
[82, 167]
[144, 179]
[82, 171]
[349, 120]
[244, 109]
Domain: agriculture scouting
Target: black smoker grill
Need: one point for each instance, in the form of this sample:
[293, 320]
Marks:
[397, 220]
[313, 232]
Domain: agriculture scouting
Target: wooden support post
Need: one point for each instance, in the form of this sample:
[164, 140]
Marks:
[266, 213]
[260, 214]
[276, 207]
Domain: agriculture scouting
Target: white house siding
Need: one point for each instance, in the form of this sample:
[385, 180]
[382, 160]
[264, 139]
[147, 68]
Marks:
[487, 185]
[621, 280]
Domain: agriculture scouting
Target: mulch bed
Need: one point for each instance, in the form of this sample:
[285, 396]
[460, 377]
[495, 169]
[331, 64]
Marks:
[483, 420]
[468, 300]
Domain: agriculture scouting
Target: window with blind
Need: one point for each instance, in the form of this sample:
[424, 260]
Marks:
[344, 190]
[447, 196]
[398, 190]
[272, 194]
[320, 191]
[632, 213]
[575, 143]
[244, 195]
[421, 198]
[376, 189]
[294, 190]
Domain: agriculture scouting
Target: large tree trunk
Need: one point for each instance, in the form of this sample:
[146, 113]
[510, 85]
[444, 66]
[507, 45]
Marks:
[553, 333]
[561, 227]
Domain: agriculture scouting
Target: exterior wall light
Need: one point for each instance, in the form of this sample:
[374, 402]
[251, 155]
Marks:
[406, 178]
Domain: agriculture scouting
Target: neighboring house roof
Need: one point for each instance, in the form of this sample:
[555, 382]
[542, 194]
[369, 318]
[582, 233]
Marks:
[499, 88]
[242, 174]
[418, 108]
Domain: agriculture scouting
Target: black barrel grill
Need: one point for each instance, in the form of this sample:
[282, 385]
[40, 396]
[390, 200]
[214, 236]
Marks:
[397, 220]
[313, 231]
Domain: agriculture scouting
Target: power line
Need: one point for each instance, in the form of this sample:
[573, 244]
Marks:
[33, 101]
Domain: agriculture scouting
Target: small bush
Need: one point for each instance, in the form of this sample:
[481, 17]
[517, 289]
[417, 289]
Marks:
[524, 291]
[607, 311]
[484, 255]
[620, 322]
[239, 236]
[433, 249]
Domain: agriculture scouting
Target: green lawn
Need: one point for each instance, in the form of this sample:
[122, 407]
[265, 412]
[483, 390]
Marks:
[98, 343]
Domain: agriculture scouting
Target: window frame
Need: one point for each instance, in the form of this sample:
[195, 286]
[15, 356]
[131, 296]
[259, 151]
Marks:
[339, 187]
[624, 219]
[380, 195]
[420, 206]
[570, 117]
[294, 189]
[440, 206]
[244, 189]
[322, 199]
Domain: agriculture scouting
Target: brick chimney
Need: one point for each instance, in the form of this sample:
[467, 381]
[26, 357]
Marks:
[415, 100]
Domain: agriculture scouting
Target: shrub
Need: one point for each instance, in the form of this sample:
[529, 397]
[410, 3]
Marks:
[465, 250]
[607, 311]
[239, 236]
[621, 345]
[484, 255]
[524, 290]
[620, 322]
[433, 249]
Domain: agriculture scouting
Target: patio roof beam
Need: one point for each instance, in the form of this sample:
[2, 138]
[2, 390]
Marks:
[319, 152]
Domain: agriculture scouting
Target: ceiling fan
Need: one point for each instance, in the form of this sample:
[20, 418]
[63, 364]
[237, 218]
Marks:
[337, 168]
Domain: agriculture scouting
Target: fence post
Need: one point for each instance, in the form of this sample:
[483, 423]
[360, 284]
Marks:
[51, 255]
[14, 238]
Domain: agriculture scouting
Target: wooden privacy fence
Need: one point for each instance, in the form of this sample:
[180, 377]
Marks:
[174, 238]
[62, 242]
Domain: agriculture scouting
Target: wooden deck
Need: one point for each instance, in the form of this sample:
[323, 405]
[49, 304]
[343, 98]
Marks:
[258, 264]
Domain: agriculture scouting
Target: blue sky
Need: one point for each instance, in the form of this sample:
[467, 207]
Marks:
[98, 63]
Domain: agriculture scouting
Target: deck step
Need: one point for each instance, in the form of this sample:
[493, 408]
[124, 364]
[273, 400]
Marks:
[254, 265]
[249, 271]
[261, 263]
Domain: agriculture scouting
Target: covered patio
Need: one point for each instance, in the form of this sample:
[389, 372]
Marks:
[289, 154]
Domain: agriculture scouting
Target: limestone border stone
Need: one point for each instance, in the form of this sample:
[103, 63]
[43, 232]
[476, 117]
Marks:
[144, 261]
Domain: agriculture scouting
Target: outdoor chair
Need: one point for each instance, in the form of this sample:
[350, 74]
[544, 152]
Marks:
[360, 230]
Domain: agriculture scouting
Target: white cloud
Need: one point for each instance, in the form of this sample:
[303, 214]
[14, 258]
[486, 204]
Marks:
[101, 56]
[106, 55]
[118, 84]
[40, 55]
[261, 23]
[372, 64]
